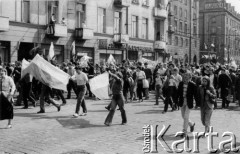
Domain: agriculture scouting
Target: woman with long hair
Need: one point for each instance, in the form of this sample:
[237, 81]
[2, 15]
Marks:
[206, 96]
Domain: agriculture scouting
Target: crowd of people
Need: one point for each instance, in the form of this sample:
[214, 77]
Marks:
[181, 87]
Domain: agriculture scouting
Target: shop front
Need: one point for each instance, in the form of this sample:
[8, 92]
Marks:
[4, 52]
[58, 51]
[135, 52]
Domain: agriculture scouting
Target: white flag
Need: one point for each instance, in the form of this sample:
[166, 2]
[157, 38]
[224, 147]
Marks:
[25, 64]
[99, 85]
[73, 48]
[51, 52]
[111, 60]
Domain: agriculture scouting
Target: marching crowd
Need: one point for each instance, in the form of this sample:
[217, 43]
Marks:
[180, 87]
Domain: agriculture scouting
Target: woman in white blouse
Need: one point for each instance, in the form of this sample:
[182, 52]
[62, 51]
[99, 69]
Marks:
[140, 75]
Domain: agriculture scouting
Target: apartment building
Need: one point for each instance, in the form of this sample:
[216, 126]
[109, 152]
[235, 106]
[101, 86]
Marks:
[183, 38]
[219, 31]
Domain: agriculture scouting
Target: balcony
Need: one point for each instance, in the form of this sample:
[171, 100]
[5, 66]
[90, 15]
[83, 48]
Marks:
[122, 3]
[159, 45]
[4, 26]
[60, 30]
[160, 12]
[171, 29]
[121, 38]
[84, 33]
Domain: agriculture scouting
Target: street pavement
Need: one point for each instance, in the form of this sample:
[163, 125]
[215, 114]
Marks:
[58, 133]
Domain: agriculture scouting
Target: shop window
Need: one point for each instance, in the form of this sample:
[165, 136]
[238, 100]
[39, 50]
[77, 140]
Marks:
[81, 15]
[101, 20]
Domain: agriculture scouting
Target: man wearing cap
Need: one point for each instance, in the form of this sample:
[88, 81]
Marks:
[7, 89]
[117, 99]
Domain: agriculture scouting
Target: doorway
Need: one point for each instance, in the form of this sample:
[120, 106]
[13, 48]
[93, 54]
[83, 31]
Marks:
[24, 51]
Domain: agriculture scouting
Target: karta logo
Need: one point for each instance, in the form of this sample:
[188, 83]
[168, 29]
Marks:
[152, 138]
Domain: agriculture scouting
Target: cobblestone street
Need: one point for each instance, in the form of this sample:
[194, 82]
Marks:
[57, 132]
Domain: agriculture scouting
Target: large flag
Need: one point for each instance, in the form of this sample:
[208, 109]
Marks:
[151, 64]
[73, 48]
[111, 60]
[25, 64]
[99, 86]
[46, 73]
[51, 52]
[84, 61]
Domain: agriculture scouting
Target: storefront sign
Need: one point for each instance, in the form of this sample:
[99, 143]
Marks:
[103, 44]
[214, 5]
[159, 45]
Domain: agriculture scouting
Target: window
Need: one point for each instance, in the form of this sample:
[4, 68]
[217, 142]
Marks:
[145, 28]
[175, 24]
[180, 12]
[81, 18]
[175, 10]
[52, 9]
[134, 26]
[176, 41]
[180, 26]
[181, 42]
[145, 2]
[170, 39]
[185, 14]
[185, 28]
[214, 20]
[195, 30]
[213, 30]
[194, 16]
[101, 20]
[25, 11]
[186, 41]
[185, 2]
[194, 4]
[160, 4]
[117, 22]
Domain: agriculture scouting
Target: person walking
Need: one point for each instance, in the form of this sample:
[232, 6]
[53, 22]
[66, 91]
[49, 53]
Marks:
[148, 73]
[206, 100]
[140, 75]
[187, 92]
[158, 87]
[81, 79]
[117, 99]
[7, 89]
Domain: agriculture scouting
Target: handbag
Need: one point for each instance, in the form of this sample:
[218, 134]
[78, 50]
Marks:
[145, 83]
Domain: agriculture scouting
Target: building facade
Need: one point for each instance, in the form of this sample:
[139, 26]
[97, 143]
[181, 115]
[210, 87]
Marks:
[127, 29]
[219, 32]
[183, 38]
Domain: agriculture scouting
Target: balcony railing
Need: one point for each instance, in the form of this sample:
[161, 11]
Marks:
[84, 33]
[57, 30]
[121, 38]
[160, 13]
[122, 3]
[4, 26]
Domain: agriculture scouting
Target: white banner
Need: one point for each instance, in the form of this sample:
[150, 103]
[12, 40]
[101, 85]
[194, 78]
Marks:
[99, 86]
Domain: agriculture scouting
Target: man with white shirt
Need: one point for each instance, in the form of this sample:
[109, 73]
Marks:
[81, 79]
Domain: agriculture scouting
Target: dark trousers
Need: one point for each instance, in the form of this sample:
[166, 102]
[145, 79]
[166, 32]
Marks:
[26, 91]
[170, 98]
[45, 95]
[71, 85]
[224, 94]
[59, 93]
[116, 100]
[140, 89]
[89, 90]
[158, 89]
[52, 28]
[80, 100]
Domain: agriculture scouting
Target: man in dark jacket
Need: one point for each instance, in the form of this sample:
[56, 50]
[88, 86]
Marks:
[187, 91]
[224, 82]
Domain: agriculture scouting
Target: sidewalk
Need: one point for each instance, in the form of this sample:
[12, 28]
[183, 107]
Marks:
[58, 133]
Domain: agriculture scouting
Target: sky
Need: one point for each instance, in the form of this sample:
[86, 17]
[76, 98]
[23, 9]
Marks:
[235, 3]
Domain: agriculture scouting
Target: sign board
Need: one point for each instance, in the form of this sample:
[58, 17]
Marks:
[214, 6]
[159, 45]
